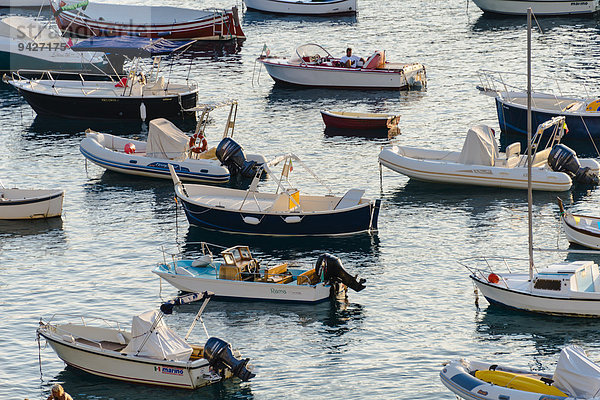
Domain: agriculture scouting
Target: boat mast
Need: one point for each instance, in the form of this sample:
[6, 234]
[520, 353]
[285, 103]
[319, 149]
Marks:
[529, 189]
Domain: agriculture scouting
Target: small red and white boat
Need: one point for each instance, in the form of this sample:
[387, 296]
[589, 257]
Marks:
[359, 121]
[85, 19]
[313, 66]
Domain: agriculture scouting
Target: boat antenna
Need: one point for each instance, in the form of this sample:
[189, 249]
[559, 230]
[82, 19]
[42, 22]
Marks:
[529, 189]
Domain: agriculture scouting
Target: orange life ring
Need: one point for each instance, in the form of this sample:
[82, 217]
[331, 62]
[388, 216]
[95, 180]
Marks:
[198, 143]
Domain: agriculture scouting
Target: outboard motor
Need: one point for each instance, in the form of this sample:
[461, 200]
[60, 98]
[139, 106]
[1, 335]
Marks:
[219, 355]
[232, 156]
[564, 159]
[330, 267]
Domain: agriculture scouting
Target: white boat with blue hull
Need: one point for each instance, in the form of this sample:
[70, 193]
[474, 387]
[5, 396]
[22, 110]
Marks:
[285, 212]
[575, 377]
[239, 276]
[166, 145]
[303, 7]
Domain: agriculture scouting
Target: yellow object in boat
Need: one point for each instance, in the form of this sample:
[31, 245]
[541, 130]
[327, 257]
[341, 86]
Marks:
[518, 382]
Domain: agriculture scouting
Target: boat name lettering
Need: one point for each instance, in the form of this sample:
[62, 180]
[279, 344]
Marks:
[482, 392]
[169, 370]
[278, 291]
[42, 46]
[579, 3]
[106, 99]
[482, 171]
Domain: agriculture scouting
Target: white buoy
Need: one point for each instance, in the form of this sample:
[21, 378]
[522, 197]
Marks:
[143, 111]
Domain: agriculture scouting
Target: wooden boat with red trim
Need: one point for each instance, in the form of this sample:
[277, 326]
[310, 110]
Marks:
[580, 229]
[85, 19]
[359, 121]
[313, 66]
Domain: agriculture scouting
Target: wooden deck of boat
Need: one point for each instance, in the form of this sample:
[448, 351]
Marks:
[103, 344]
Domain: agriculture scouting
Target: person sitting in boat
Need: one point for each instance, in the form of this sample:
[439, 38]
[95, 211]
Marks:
[58, 393]
[351, 61]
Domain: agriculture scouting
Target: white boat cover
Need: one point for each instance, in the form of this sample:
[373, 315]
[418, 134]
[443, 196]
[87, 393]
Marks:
[163, 343]
[576, 374]
[22, 28]
[165, 140]
[480, 147]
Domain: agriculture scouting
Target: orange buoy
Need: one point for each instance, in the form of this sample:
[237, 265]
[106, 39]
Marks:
[130, 148]
[493, 278]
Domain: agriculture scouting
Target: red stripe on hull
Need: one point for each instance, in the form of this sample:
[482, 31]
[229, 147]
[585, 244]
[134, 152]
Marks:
[353, 123]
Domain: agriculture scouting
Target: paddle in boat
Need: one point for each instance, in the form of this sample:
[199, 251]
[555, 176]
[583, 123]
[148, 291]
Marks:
[191, 157]
[137, 96]
[150, 352]
[284, 212]
[355, 121]
[582, 114]
[567, 288]
[303, 7]
[30, 203]
[576, 376]
[480, 163]
[238, 275]
[583, 230]
[313, 66]
[86, 19]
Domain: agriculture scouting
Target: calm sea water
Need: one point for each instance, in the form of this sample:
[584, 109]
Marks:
[418, 310]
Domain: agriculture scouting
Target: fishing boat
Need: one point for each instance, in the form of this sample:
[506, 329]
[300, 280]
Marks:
[480, 163]
[26, 43]
[313, 66]
[86, 19]
[582, 114]
[238, 275]
[575, 376]
[566, 288]
[303, 7]
[359, 121]
[166, 145]
[149, 353]
[30, 203]
[137, 96]
[284, 212]
[546, 7]
[583, 230]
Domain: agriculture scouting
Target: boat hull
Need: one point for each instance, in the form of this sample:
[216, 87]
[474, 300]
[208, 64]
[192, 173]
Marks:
[326, 7]
[512, 119]
[539, 7]
[111, 364]
[478, 175]
[587, 236]
[334, 223]
[345, 78]
[46, 204]
[532, 302]
[240, 290]
[118, 108]
[332, 120]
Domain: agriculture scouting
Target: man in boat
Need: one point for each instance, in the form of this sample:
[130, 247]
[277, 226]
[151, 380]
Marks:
[351, 61]
[58, 393]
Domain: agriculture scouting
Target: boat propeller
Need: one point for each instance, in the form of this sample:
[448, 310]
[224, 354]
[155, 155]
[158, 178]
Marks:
[564, 159]
[219, 355]
[231, 154]
[331, 269]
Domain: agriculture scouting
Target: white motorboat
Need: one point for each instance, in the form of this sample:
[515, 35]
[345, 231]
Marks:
[303, 7]
[576, 376]
[26, 43]
[539, 7]
[30, 203]
[238, 275]
[284, 212]
[480, 163]
[150, 352]
[313, 66]
[583, 230]
[166, 145]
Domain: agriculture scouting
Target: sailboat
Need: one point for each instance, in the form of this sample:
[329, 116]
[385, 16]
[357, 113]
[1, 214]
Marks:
[567, 288]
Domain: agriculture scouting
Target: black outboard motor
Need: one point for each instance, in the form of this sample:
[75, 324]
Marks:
[564, 159]
[219, 355]
[330, 267]
[232, 156]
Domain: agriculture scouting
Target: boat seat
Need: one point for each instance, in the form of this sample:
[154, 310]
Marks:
[541, 157]
[230, 272]
[350, 199]
[197, 352]
[513, 150]
[284, 202]
[309, 277]
[278, 274]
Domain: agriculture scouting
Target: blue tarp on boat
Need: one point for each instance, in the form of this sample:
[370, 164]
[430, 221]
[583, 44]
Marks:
[132, 46]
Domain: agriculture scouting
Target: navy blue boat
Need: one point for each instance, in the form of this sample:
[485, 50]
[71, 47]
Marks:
[285, 212]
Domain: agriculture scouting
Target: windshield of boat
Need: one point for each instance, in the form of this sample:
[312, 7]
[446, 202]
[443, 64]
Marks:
[311, 51]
